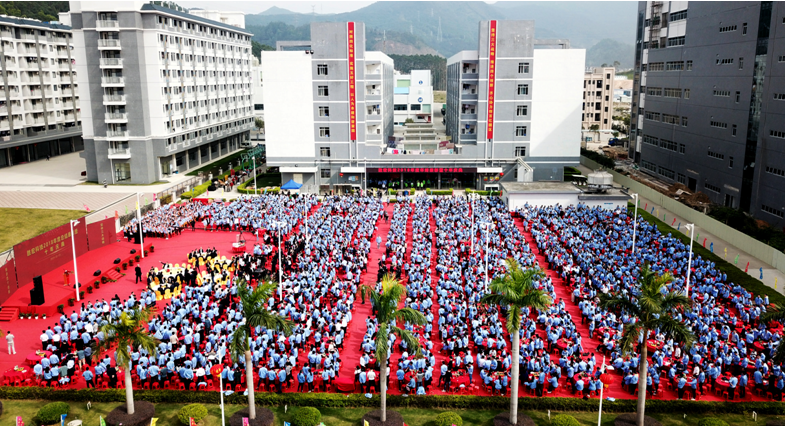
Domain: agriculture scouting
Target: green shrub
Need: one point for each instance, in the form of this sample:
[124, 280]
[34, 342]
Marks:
[306, 416]
[564, 420]
[430, 191]
[50, 413]
[195, 411]
[599, 158]
[712, 421]
[483, 193]
[449, 418]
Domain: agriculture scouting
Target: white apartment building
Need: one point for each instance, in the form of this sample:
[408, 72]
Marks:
[598, 98]
[257, 88]
[171, 90]
[413, 97]
[39, 101]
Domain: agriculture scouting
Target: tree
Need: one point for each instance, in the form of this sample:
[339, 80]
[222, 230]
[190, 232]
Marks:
[255, 315]
[616, 64]
[129, 331]
[652, 309]
[385, 302]
[515, 291]
[596, 129]
[259, 123]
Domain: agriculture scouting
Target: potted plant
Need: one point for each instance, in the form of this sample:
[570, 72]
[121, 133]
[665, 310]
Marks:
[36, 315]
[146, 253]
[97, 284]
[130, 262]
[89, 289]
[81, 294]
[125, 266]
[104, 280]
[61, 308]
[117, 268]
[152, 249]
[44, 316]
[136, 257]
[71, 301]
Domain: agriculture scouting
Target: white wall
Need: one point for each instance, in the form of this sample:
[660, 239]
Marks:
[288, 104]
[152, 82]
[79, 55]
[515, 201]
[557, 98]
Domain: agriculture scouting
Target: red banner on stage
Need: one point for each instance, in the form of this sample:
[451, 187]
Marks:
[352, 91]
[7, 281]
[43, 253]
[491, 75]
[101, 233]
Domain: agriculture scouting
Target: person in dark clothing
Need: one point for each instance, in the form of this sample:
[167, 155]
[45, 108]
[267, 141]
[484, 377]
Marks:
[138, 271]
[112, 373]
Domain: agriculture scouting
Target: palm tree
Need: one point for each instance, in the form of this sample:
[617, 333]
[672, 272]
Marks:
[652, 310]
[515, 291]
[255, 315]
[775, 313]
[386, 304]
[129, 331]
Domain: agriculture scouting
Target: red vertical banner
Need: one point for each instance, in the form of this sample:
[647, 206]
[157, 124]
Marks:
[352, 91]
[491, 75]
[101, 233]
[7, 280]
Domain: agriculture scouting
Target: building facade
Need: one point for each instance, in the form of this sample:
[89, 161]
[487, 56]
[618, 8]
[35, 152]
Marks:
[413, 97]
[167, 90]
[598, 98]
[39, 101]
[257, 89]
[709, 98]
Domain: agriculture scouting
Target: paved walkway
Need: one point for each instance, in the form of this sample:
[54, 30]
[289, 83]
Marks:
[722, 248]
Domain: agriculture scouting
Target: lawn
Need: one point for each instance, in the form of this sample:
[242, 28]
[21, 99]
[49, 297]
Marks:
[17, 225]
[167, 415]
[439, 97]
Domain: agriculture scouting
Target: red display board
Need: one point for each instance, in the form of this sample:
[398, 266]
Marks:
[7, 281]
[43, 253]
[352, 91]
[491, 75]
[101, 233]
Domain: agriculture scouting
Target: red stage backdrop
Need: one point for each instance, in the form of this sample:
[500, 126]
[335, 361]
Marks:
[101, 233]
[7, 281]
[47, 251]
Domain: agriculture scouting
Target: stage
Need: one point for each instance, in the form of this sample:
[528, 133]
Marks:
[57, 293]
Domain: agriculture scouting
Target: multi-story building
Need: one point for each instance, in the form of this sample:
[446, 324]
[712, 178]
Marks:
[257, 89]
[413, 99]
[328, 106]
[167, 90]
[512, 108]
[39, 107]
[598, 99]
[709, 98]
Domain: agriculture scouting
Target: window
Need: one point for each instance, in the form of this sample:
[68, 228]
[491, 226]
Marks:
[681, 179]
[716, 155]
[733, 130]
[520, 130]
[738, 96]
[324, 111]
[323, 91]
[414, 107]
[722, 93]
[651, 140]
[654, 91]
[324, 151]
[321, 69]
[520, 151]
[686, 93]
[744, 29]
[522, 110]
[674, 66]
[669, 145]
[726, 61]
[682, 148]
[718, 124]
[777, 134]
[399, 107]
[649, 166]
[523, 68]
[671, 93]
[689, 65]
[781, 58]
[654, 116]
[523, 89]
[741, 63]
[730, 162]
[728, 28]
[656, 66]
[771, 210]
[775, 171]
[676, 41]
[668, 173]
[325, 173]
[324, 132]
[678, 16]
[779, 96]
[712, 188]
[670, 119]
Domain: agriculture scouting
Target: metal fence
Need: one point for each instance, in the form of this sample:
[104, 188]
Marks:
[178, 190]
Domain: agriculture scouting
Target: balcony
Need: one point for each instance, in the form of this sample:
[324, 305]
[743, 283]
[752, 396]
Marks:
[107, 25]
[72, 117]
[112, 81]
[115, 117]
[58, 40]
[108, 43]
[7, 34]
[111, 63]
[117, 134]
[67, 92]
[120, 153]
[36, 121]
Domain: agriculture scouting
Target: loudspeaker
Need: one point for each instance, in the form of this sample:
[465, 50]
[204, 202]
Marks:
[37, 293]
[133, 251]
[116, 261]
[38, 283]
[97, 273]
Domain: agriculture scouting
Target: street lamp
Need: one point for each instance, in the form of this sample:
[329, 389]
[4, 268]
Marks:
[635, 221]
[471, 207]
[279, 224]
[691, 227]
[255, 190]
[73, 249]
[139, 214]
[488, 226]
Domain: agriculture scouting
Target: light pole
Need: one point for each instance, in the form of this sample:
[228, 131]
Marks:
[221, 392]
[488, 226]
[635, 221]
[139, 214]
[365, 177]
[602, 387]
[691, 227]
[471, 207]
[255, 190]
[279, 224]
[73, 249]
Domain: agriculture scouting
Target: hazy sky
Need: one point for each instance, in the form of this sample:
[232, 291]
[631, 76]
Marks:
[253, 7]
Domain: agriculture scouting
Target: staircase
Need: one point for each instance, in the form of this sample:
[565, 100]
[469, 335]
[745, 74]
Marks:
[113, 275]
[9, 314]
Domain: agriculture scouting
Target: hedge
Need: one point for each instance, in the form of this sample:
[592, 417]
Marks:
[430, 191]
[50, 413]
[483, 193]
[192, 411]
[306, 416]
[712, 421]
[449, 418]
[599, 158]
[735, 275]
[564, 420]
[274, 190]
[332, 400]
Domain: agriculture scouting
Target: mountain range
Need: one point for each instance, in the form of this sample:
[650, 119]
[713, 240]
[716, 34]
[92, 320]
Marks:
[605, 29]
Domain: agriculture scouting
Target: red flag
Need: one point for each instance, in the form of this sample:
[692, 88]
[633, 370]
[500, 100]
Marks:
[747, 268]
[86, 208]
[191, 421]
[704, 243]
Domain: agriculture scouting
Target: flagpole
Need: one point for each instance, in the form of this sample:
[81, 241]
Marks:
[141, 233]
[602, 388]
[221, 391]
